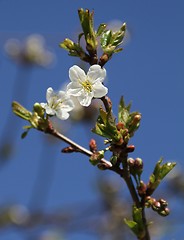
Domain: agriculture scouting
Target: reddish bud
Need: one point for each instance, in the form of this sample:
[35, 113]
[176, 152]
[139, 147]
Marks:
[142, 188]
[163, 202]
[156, 206]
[130, 148]
[120, 125]
[93, 145]
[137, 118]
[138, 163]
[130, 162]
[69, 149]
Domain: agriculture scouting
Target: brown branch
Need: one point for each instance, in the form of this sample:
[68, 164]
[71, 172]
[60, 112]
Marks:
[79, 148]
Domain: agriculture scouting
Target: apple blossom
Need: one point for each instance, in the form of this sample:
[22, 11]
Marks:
[58, 103]
[86, 86]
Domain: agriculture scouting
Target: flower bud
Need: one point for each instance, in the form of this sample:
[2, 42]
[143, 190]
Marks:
[120, 125]
[164, 212]
[142, 188]
[67, 44]
[130, 162]
[93, 145]
[156, 206]
[163, 203]
[149, 201]
[138, 164]
[136, 119]
[130, 148]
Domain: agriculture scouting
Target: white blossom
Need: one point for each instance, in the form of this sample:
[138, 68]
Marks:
[87, 86]
[58, 103]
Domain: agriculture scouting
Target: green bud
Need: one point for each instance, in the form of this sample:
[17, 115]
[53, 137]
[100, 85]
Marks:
[86, 20]
[39, 110]
[67, 44]
[20, 111]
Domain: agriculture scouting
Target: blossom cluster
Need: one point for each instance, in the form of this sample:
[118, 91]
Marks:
[83, 87]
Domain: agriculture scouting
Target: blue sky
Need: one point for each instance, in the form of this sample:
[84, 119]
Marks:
[149, 72]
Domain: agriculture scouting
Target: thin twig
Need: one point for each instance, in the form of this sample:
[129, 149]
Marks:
[81, 149]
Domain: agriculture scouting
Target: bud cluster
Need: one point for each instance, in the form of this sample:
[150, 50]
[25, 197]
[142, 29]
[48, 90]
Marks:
[135, 166]
[159, 206]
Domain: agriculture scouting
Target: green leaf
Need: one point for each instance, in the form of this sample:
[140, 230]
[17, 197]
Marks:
[105, 39]
[137, 216]
[24, 134]
[123, 111]
[160, 171]
[136, 225]
[106, 126]
[132, 225]
[101, 29]
[131, 120]
[110, 40]
[21, 111]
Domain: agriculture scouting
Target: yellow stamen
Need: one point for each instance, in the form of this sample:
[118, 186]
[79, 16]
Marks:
[87, 85]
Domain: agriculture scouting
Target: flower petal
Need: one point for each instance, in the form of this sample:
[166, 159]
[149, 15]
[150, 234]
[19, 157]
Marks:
[76, 74]
[85, 99]
[61, 114]
[99, 90]
[49, 95]
[96, 73]
[74, 89]
[50, 111]
[67, 105]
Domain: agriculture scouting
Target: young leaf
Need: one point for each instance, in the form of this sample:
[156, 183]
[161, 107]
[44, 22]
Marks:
[136, 225]
[158, 174]
[21, 111]
[123, 111]
[132, 225]
[106, 126]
